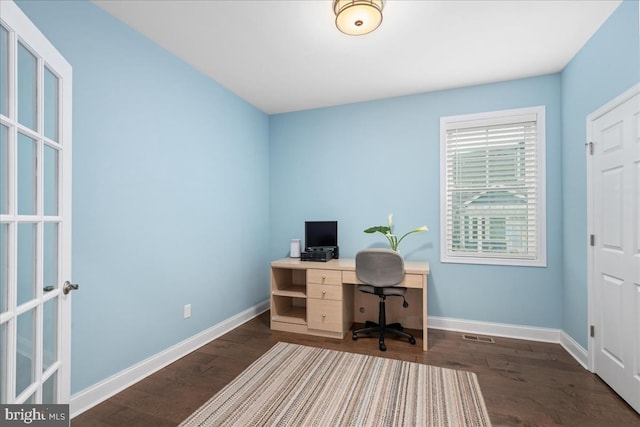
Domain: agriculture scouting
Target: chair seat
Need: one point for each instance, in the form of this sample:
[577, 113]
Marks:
[376, 290]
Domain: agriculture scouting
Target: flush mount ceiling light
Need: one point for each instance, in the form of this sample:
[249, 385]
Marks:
[357, 17]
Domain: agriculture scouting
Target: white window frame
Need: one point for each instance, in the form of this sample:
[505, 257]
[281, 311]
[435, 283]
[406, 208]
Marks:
[485, 119]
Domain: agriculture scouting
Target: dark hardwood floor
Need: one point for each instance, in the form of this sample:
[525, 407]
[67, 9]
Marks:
[524, 383]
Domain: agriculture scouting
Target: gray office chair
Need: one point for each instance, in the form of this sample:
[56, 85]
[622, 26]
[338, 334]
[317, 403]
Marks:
[381, 270]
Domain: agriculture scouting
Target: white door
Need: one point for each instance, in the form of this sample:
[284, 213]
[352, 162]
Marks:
[615, 258]
[35, 214]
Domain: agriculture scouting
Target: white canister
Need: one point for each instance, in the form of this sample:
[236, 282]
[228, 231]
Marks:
[295, 248]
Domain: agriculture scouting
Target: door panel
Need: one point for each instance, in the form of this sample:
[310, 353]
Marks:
[612, 324]
[611, 137]
[35, 214]
[612, 199]
[615, 258]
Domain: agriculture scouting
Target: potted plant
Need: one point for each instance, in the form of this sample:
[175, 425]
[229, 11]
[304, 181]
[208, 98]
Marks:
[388, 232]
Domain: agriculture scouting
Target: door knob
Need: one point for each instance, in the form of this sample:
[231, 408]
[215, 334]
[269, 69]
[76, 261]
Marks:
[68, 287]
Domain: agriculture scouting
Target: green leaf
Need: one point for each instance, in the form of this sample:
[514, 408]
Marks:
[380, 228]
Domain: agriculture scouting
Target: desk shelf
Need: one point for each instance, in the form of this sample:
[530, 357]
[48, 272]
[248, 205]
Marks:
[288, 298]
[295, 291]
[293, 315]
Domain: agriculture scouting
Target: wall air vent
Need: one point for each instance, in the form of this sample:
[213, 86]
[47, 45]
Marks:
[478, 338]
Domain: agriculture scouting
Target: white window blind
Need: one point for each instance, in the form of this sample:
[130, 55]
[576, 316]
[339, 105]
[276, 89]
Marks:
[492, 206]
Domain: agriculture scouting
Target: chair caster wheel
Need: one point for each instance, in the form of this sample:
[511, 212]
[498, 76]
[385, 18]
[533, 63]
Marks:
[412, 341]
[383, 347]
[354, 337]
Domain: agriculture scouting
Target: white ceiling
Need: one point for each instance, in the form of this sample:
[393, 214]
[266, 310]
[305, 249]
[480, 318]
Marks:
[287, 55]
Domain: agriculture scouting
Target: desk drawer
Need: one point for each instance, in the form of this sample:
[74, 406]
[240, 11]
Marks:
[325, 292]
[410, 280]
[324, 277]
[324, 315]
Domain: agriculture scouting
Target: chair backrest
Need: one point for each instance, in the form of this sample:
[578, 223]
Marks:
[379, 267]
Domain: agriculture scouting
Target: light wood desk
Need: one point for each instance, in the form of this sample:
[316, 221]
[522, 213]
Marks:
[319, 298]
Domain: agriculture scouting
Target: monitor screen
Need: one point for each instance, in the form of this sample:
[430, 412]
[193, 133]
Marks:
[320, 233]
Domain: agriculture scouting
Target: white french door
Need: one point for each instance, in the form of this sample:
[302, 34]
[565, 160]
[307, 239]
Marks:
[35, 214]
[614, 170]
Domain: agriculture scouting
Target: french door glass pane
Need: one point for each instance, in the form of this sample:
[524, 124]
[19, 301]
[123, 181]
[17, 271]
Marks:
[50, 254]
[3, 359]
[4, 169]
[27, 87]
[49, 389]
[26, 262]
[50, 327]
[25, 357]
[50, 110]
[4, 266]
[50, 181]
[4, 71]
[27, 152]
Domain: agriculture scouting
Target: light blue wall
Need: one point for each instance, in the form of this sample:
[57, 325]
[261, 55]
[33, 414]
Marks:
[170, 193]
[605, 67]
[357, 163]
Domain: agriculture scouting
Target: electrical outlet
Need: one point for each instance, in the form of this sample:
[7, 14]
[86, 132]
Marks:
[187, 311]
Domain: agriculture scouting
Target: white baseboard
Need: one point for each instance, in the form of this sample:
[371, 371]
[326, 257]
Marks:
[88, 398]
[495, 329]
[574, 349]
[530, 333]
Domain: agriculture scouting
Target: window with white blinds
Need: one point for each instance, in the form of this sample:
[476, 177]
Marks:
[493, 188]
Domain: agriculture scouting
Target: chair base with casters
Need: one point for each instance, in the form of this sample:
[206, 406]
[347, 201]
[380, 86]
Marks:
[382, 328]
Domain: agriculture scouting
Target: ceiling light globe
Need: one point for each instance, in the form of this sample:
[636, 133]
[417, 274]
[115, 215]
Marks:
[357, 17]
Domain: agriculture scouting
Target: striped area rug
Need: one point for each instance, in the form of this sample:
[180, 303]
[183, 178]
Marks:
[294, 385]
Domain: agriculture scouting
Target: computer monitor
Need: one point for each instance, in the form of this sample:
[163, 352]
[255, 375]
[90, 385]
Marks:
[320, 234]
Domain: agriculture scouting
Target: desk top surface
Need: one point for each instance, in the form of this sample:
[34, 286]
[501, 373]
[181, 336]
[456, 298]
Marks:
[344, 264]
